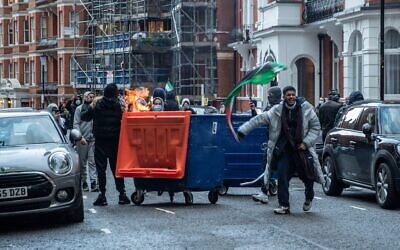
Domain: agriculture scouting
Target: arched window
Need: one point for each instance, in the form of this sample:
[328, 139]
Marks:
[392, 62]
[356, 46]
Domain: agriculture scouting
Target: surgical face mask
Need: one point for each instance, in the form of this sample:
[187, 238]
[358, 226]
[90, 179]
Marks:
[157, 108]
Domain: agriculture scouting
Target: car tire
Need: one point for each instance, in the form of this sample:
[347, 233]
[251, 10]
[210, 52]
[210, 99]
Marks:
[385, 194]
[77, 214]
[332, 186]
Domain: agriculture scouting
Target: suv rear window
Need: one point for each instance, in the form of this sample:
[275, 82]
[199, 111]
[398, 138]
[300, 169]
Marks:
[351, 117]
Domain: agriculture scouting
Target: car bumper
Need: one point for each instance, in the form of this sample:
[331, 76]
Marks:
[43, 195]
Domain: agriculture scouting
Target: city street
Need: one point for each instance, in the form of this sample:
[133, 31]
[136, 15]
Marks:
[352, 221]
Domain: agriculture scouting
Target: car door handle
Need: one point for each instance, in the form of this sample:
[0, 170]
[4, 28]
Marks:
[352, 143]
[334, 140]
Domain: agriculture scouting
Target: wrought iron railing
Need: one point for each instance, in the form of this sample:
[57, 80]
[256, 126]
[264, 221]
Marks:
[316, 10]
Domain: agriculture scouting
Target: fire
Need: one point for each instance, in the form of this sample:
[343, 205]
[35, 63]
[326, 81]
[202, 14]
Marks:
[136, 99]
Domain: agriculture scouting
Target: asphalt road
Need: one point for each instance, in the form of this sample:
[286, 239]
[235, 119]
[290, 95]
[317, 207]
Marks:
[351, 221]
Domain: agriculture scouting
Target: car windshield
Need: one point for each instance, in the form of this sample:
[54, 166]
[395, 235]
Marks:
[21, 130]
[389, 120]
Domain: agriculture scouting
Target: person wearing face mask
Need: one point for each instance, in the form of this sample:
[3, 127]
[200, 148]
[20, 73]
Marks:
[158, 104]
[293, 130]
[85, 146]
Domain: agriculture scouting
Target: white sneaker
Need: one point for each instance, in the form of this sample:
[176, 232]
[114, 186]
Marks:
[307, 205]
[261, 197]
[282, 210]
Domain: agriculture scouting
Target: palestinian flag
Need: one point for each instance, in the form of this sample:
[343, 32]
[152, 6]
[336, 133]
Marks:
[259, 76]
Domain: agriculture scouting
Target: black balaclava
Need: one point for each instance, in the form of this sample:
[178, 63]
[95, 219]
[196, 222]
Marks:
[274, 95]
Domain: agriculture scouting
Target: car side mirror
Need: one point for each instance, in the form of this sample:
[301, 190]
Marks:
[76, 134]
[367, 130]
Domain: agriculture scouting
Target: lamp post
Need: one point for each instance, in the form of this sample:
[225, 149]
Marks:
[43, 59]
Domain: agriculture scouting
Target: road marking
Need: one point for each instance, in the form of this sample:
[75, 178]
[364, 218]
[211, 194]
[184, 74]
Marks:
[92, 210]
[359, 208]
[84, 197]
[165, 211]
[317, 198]
[106, 230]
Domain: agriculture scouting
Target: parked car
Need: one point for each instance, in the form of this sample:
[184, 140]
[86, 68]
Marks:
[364, 151]
[204, 110]
[39, 169]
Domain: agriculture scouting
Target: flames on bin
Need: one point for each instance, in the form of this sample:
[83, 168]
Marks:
[136, 99]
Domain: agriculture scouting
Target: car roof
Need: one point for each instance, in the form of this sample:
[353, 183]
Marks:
[21, 113]
[375, 103]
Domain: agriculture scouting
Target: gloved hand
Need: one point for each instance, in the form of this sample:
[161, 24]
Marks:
[240, 135]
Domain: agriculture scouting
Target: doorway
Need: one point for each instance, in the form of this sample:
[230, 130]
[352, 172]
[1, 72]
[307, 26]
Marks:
[306, 79]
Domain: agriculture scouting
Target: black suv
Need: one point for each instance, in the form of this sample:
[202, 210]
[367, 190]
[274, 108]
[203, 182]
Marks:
[364, 150]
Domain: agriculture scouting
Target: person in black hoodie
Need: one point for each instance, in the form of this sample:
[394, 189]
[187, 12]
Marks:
[171, 104]
[106, 115]
[328, 111]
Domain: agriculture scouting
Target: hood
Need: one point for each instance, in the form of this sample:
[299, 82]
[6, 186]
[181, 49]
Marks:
[159, 92]
[15, 158]
[274, 95]
[106, 103]
[355, 96]
[185, 100]
[300, 100]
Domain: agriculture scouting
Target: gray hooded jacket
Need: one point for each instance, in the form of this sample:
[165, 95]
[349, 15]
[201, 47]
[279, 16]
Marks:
[272, 117]
[86, 128]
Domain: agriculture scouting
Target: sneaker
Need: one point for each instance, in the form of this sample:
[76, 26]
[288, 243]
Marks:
[123, 199]
[100, 201]
[282, 210]
[261, 197]
[85, 187]
[307, 205]
[94, 187]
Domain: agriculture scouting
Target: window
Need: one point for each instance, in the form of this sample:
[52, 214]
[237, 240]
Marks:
[32, 22]
[389, 120]
[350, 118]
[16, 32]
[368, 116]
[10, 33]
[336, 66]
[1, 71]
[1, 35]
[11, 70]
[356, 62]
[43, 72]
[33, 73]
[43, 27]
[61, 71]
[26, 73]
[26, 31]
[61, 24]
[16, 70]
[74, 22]
[392, 62]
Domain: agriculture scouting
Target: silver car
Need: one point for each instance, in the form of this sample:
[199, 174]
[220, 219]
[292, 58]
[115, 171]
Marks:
[39, 169]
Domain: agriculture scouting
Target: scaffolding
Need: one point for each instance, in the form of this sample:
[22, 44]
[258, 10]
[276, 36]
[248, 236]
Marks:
[148, 42]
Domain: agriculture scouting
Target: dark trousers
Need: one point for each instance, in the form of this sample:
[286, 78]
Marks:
[286, 168]
[103, 150]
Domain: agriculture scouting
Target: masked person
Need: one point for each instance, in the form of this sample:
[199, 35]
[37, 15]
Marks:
[293, 130]
[106, 115]
[85, 146]
[158, 104]
[53, 109]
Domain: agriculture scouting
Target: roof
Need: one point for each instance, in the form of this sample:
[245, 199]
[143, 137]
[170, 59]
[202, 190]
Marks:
[20, 112]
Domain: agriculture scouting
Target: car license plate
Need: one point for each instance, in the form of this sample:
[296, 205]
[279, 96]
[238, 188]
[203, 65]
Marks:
[15, 192]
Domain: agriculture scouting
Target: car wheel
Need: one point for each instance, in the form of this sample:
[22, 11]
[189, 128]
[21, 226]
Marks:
[332, 186]
[223, 190]
[386, 195]
[77, 214]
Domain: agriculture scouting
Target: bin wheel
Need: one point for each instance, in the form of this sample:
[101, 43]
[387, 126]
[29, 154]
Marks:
[213, 196]
[171, 196]
[137, 197]
[223, 190]
[273, 188]
[188, 198]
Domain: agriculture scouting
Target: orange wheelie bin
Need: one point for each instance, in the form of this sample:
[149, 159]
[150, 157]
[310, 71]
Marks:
[171, 152]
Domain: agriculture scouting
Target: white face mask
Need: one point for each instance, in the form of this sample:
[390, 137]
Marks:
[157, 108]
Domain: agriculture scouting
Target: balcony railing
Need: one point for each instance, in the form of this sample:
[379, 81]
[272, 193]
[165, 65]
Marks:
[317, 10]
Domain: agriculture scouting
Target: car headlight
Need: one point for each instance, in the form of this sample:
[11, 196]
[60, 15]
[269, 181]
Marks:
[60, 163]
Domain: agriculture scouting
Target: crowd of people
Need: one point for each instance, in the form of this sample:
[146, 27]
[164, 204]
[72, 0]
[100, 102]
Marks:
[293, 128]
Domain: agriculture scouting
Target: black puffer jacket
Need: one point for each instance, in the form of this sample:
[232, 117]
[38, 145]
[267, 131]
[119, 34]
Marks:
[106, 115]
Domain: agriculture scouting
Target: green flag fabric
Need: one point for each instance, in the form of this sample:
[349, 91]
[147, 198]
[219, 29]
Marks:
[169, 86]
